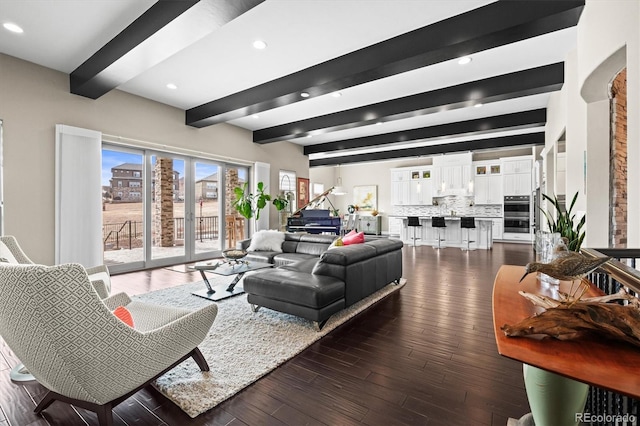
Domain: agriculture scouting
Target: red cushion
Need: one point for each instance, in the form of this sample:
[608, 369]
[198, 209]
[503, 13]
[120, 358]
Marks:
[356, 238]
[352, 232]
[124, 315]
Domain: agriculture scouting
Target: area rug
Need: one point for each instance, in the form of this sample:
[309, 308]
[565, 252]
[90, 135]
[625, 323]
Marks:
[242, 346]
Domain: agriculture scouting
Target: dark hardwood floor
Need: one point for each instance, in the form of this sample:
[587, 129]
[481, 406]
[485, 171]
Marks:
[423, 356]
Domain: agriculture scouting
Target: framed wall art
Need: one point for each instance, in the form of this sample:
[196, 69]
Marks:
[366, 197]
[303, 192]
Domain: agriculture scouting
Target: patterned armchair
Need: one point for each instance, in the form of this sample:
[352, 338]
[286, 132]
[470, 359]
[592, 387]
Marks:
[72, 343]
[11, 252]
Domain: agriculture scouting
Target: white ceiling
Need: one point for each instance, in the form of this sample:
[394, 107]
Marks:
[62, 34]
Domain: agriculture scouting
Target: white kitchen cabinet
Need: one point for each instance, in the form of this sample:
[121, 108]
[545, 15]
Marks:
[421, 187]
[400, 192]
[516, 172]
[453, 173]
[487, 182]
[455, 179]
[395, 226]
[412, 186]
[498, 226]
[517, 165]
[517, 184]
[400, 175]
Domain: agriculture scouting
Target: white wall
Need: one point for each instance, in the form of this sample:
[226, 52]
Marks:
[608, 39]
[33, 99]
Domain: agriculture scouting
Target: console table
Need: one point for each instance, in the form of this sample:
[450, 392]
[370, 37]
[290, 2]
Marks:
[605, 364]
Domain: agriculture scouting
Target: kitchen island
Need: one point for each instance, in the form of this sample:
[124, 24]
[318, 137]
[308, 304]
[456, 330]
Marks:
[451, 236]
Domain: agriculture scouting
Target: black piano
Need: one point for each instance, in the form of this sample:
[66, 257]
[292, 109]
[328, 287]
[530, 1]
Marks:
[315, 221]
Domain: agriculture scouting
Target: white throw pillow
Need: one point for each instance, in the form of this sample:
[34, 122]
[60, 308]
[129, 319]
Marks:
[5, 254]
[267, 241]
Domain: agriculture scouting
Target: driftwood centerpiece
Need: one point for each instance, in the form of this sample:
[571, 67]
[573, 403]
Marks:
[581, 319]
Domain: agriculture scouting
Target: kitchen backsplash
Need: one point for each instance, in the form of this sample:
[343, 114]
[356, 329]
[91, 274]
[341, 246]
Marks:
[461, 206]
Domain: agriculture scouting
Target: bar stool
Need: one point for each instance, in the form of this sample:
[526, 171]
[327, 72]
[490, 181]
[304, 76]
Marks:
[438, 223]
[414, 222]
[467, 223]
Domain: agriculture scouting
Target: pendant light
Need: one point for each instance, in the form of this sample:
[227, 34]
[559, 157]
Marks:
[338, 189]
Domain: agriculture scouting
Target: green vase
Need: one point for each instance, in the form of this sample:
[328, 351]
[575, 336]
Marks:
[554, 399]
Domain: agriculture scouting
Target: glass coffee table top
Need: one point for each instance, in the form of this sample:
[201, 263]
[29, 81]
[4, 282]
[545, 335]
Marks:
[225, 268]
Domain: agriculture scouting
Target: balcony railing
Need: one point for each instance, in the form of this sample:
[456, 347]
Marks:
[129, 234]
[618, 273]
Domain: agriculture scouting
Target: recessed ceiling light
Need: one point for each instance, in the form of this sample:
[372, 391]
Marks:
[305, 94]
[336, 94]
[259, 44]
[256, 116]
[14, 28]
[171, 86]
[478, 105]
[464, 60]
[309, 136]
[378, 123]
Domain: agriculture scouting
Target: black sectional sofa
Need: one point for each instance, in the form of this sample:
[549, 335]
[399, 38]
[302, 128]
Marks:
[317, 287]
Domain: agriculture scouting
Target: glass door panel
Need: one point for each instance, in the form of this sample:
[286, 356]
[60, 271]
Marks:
[167, 207]
[207, 208]
[122, 206]
[236, 226]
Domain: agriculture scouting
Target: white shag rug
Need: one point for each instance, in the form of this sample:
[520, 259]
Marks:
[241, 346]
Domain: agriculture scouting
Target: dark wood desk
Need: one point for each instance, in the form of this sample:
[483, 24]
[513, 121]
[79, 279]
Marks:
[605, 364]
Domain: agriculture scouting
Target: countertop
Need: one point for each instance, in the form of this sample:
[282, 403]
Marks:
[448, 217]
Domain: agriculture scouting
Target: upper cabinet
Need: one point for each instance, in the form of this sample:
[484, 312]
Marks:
[453, 173]
[412, 186]
[517, 175]
[517, 165]
[488, 182]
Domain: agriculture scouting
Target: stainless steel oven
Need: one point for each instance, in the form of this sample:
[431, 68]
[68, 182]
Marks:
[517, 214]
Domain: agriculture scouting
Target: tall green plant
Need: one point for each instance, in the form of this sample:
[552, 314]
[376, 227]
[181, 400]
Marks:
[563, 223]
[248, 204]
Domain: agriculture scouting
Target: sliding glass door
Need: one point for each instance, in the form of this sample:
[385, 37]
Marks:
[207, 203]
[161, 209]
[123, 218]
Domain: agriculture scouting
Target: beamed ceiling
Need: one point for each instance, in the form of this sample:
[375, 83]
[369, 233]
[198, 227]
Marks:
[382, 77]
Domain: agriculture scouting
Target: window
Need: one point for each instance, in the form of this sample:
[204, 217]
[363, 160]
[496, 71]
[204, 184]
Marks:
[134, 184]
[287, 181]
[119, 184]
[211, 185]
[287, 186]
[136, 174]
[210, 194]
[135, 194]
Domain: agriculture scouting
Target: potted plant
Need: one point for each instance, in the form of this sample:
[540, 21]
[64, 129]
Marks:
[248, 204]
[562, 222]
[281, 202]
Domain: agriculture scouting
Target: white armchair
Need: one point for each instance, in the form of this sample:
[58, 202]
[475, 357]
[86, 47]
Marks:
[11, 254]
[69, 339]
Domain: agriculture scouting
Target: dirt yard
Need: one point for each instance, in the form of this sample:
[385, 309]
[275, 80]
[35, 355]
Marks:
[121, 212]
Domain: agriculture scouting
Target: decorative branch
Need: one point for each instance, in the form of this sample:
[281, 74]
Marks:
[564, 322]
